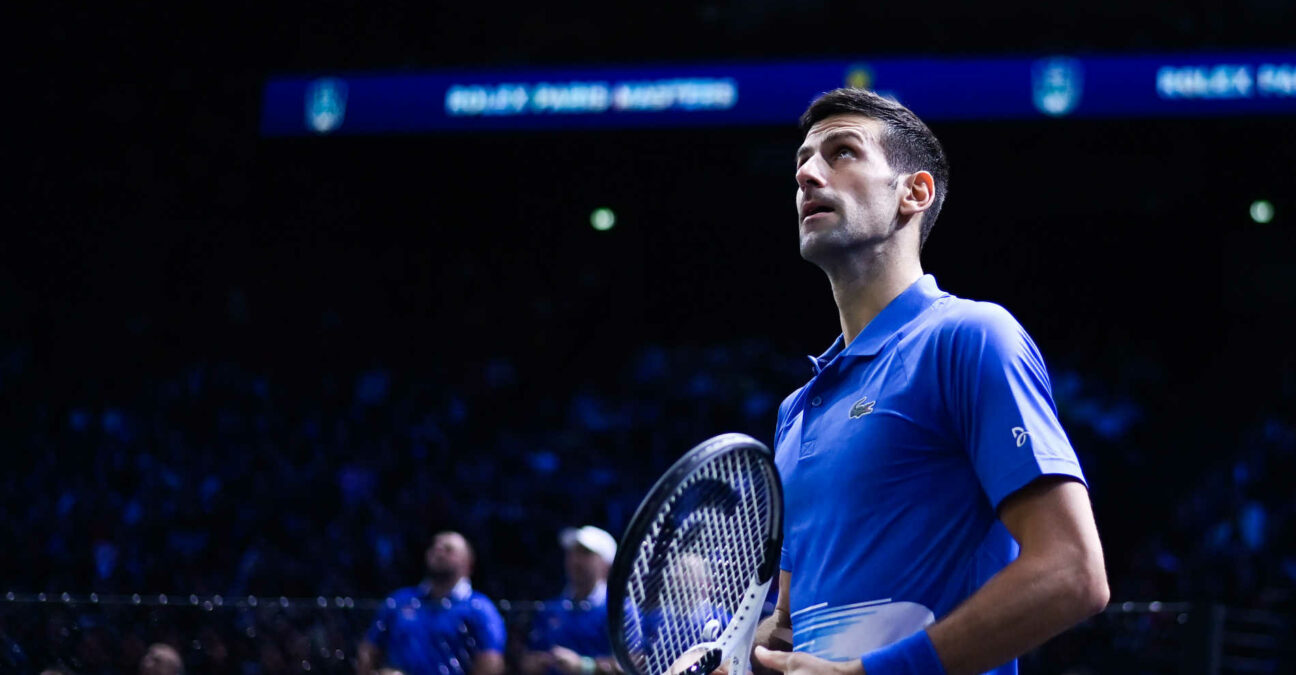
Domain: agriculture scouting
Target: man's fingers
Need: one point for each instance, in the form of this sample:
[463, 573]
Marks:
[773, 660]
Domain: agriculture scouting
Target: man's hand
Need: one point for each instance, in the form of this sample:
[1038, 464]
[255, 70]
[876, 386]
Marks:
[795, 663]
[535, 663]
[566, 660]
[488, 663]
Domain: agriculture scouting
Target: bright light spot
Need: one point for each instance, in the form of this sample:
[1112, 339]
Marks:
[602, 219]
[1262, 211]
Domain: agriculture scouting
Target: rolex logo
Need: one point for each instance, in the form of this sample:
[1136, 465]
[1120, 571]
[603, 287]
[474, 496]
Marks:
[861, 408]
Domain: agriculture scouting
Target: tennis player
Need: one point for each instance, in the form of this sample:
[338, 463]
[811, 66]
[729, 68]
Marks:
[937, 520]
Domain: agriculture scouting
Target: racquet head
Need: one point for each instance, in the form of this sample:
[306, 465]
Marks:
[691, 575]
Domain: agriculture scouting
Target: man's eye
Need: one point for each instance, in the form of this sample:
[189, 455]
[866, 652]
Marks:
[844, 151]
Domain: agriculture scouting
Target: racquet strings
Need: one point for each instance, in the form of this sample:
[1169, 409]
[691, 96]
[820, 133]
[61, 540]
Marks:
[698, 559]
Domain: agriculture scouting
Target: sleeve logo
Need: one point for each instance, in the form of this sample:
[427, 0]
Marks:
[1021, 435]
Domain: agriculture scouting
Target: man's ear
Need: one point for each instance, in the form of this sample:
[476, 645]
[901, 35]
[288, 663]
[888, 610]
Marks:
[918, 193]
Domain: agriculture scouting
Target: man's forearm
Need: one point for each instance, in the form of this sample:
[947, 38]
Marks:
[1017, 610]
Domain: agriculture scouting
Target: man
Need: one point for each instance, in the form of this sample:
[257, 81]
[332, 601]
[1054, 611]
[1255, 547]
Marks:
[161, 659]
[440, 626]
[570, 635]
[937, 520]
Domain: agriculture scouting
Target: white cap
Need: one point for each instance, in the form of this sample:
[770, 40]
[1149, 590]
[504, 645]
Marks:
[591, 538]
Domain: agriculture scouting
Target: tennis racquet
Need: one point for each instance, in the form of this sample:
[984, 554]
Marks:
[695, 565]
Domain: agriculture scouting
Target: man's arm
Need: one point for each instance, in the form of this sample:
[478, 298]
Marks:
[492, 637]
[488, 663]
[1058, 580]
[535, 662]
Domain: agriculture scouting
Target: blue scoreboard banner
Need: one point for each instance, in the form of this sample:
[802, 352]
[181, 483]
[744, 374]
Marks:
[728, 94]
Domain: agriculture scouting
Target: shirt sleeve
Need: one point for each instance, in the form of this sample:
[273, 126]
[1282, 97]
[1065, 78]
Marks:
[1002, 404]
[489, 625]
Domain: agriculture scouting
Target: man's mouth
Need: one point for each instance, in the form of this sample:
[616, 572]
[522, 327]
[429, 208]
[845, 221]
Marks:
[815, 210]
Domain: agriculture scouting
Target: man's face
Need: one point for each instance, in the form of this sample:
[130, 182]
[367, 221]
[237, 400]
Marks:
[584, 566]
[448, 556]
[847, 193]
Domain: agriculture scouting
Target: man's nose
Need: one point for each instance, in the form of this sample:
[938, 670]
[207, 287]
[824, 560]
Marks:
[810, 174]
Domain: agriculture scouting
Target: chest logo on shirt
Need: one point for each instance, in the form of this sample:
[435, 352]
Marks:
[861, 408]
[1021, 435]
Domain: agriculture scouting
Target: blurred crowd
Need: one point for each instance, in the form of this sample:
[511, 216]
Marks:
[217, 479]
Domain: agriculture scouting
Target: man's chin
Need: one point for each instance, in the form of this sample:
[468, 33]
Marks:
[818, 249]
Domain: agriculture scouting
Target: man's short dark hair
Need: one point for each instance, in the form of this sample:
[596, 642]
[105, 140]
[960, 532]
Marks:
[908, 144]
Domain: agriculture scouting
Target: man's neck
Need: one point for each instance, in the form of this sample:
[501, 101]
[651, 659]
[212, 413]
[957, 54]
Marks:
[581, 591]
[440, 588]
[864, 285]
[586, 591]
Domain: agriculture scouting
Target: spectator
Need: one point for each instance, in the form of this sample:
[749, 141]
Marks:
[441, 625]
[569, 635]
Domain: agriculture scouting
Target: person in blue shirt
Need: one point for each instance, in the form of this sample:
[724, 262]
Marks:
[936, 518]
[440, 626]
[569, 636]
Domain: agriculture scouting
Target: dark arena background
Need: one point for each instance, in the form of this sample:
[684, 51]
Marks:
[246, 375]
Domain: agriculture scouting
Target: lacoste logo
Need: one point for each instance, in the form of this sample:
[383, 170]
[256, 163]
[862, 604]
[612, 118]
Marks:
[1020, 434]
[861, 408]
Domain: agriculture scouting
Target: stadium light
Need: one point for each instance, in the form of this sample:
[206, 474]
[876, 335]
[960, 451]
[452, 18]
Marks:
[602, 219]
[1262, 211]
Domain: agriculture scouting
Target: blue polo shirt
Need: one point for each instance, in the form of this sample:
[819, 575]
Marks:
[579, 625]
[423, 635]
[895, 457]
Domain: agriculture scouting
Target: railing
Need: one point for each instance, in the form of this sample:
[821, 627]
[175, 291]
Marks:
[273, 634]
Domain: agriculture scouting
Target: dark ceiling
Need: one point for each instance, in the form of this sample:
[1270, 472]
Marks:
[146, 211]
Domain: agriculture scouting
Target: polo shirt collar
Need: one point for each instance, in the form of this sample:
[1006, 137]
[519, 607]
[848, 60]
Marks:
[462, 590]
[901, 310]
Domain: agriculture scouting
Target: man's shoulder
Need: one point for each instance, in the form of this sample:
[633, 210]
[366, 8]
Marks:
[481, 602]
[957, 317]
[406, 593]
